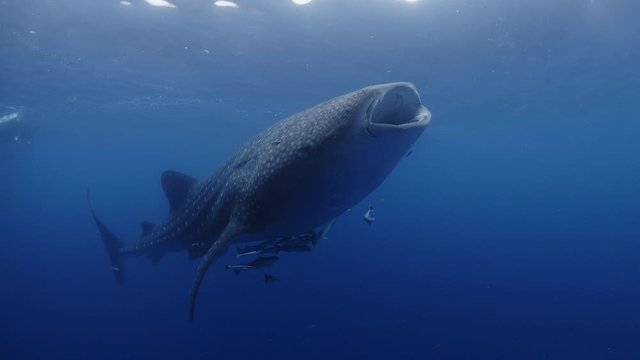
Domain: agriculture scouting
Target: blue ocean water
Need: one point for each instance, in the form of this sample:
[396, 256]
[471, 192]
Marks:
[510, 232]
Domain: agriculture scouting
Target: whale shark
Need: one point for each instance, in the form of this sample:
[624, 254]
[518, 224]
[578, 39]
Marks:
[299, 174]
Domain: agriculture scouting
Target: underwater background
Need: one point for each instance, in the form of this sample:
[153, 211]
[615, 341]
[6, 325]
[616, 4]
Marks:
[512, 231]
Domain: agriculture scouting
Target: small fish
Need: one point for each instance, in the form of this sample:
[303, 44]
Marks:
[237, 269]
[296, 243]
[255, 249]
[241, 253]
[270, 278]
[368, 216]
[287, 247]
[255, 264]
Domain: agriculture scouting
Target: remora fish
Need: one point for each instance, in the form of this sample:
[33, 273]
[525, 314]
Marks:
[286, 247]
[299, 174]
[255, 264]
[296, 243]
[368, 216]
[255, 249]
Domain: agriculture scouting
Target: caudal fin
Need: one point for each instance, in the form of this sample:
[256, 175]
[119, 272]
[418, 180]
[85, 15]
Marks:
[112, 244]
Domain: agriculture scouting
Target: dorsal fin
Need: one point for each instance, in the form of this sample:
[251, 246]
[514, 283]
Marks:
[176, 187]
[147, 228]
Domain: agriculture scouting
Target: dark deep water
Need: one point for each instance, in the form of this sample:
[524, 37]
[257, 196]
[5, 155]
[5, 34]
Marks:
[511, 232]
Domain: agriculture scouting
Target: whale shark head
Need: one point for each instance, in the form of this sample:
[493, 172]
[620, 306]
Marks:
[384, 122]
[392, 109]
[376, 125]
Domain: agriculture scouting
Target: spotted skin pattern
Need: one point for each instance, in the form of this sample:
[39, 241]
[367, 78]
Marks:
[236, 187]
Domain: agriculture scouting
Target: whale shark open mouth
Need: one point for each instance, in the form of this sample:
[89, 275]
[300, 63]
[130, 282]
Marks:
[398, 107]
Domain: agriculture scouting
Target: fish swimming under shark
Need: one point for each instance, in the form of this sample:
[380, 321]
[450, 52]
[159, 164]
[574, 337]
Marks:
[297, 243]
[297, 175]
[258, 263]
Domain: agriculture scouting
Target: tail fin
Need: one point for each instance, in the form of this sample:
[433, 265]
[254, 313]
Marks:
[111, 243]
